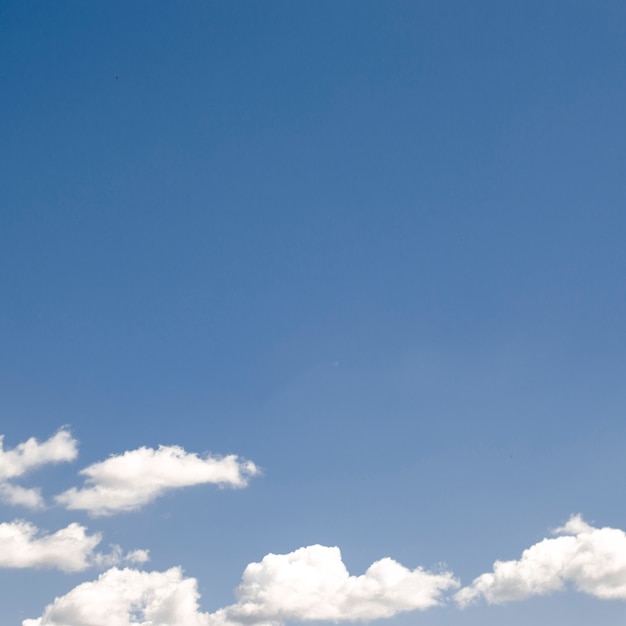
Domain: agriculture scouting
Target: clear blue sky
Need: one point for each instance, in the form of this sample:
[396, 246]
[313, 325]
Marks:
[378, 248]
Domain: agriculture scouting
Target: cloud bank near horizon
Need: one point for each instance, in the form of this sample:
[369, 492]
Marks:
[30, 455]
[313, 584]
[309, 584]
[128, 481]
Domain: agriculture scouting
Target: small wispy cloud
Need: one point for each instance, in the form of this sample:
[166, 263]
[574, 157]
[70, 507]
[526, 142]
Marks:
[116, 556]
[128, 481]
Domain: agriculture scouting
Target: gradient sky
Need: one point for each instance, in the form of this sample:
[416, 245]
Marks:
[377, 248]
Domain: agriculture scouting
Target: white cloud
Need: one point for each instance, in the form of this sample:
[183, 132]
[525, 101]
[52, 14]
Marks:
[593, 560]
[127, 597]
[313, 583]
[29, 455]
[21, 496]
[71, 549]
[130, 480]
[138, 556]
[309, 584]
[117, 556]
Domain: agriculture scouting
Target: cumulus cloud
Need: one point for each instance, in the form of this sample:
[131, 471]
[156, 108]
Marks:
[29, 455]
[71, 549]
[309, 584]
[313, 583]
[592, 560]
[128, 481]
[21, 496]
[125, 597]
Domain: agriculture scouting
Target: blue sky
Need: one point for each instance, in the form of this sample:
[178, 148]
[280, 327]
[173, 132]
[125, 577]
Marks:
[375, 248]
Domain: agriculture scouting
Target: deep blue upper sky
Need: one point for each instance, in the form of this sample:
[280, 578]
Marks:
[376, 247]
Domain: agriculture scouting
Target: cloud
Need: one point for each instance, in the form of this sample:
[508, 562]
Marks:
[21, 496]
[29, 455]
[71, 549]
[137, 556]
[309, 584]
[124, 597]
[128, 481]
[313, 583]
[593, 560]
[117, 556]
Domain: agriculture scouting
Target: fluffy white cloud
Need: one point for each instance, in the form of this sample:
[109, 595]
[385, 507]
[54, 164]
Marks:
[313, 583]
[29, 455]
[21, 496]
[128, 481]
[137, 556]
[309, 584]
[127, 597]
[71, 549]
[593, 560]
